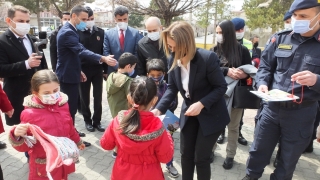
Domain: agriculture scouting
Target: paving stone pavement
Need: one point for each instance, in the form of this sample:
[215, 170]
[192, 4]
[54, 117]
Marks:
[96, 164]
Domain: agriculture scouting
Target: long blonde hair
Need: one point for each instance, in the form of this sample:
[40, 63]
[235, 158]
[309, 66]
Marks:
[183, 35]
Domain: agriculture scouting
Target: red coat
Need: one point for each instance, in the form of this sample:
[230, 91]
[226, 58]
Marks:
[54, 120]
[139, 154]
[5, 106]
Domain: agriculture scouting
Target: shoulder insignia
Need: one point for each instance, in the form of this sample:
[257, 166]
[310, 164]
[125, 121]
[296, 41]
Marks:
[273, 39]
[98, 38]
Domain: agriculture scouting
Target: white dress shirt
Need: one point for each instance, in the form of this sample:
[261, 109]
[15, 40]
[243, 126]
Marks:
[28, 46]
[119, 32]
[185, 73]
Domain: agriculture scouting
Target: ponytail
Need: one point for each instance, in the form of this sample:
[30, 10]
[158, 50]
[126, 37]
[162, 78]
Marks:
[142, 91]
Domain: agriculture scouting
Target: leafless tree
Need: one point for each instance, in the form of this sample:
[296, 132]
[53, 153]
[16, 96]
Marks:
[164, 9]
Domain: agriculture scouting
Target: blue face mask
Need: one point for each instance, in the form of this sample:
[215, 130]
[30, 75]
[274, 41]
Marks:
[302, 26]
[81, 26]
[158, 79]
[130, 74]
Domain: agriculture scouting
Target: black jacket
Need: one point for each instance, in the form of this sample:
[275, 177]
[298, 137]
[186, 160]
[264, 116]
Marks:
[93, 41]
[53, 48]
[256, 53]
[207, 85]
[15, 73]
[146, 51]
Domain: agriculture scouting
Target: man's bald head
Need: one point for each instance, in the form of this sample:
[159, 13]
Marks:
[153, 24]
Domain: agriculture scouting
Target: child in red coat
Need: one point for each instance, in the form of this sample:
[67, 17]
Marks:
[140, 137]
[7, 108]
[47, 108]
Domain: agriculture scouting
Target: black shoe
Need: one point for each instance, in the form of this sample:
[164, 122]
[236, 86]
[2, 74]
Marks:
[309, 149]
[228, 163]
[242, 140]
[87, 144]
[89, 127]
[81, 134]
[221, 139]
[249, 178]
[99, 127]
[2, 145]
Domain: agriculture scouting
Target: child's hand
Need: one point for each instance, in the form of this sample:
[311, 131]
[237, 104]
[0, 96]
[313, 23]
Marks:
[9, 113]
[81, 146]
[21, 129]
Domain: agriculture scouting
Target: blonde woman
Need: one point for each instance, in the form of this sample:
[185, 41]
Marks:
[196, 74]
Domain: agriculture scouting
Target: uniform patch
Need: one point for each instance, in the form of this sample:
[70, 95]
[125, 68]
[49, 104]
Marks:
[318, 1]
[98, 38]
[285, 46]
[273, 40]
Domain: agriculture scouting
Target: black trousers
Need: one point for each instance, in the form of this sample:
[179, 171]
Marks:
[94, 77]
[72, 90]
[1, 173]
[196, 150]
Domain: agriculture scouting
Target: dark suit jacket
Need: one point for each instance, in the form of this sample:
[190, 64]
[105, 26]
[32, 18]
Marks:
[147, 51]
[53, 48]
[111, 45]
[207, 85]
[256, 53]
[70, 50]
[14, 71]
[93, 41]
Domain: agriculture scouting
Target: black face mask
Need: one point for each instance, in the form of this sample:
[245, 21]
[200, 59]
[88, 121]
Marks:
[256, 44]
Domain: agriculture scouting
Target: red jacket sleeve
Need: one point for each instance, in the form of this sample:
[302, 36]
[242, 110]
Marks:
[5, 104]
[108, 141]
[164, 148]
[18, 144]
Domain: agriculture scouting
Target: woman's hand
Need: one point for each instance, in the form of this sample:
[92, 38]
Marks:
[240, 74]
[20, 130]
[81, 146]
[156, 112]
[194, 109]
[232, 73]
[83, 77]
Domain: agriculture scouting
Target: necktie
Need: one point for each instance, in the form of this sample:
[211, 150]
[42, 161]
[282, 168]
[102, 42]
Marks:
[121, 39]
[21, 41]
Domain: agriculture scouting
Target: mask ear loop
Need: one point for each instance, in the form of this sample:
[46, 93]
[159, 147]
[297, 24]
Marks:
[292, 94]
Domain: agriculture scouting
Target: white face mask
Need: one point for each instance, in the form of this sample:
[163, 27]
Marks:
[122, 25]
[50, 99]
[21, 28]
[154, 36]
[90, 24]
[287, 26]
[239, 35]
[219, 38]
[64, 22]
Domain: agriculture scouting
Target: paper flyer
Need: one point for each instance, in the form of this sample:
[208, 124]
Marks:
[275, 95]
[170, 121]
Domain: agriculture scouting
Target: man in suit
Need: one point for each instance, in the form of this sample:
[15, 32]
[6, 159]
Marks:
[92, 39]
[121, 38]
[70, 50]
[53, 41]
[148, 46]
[18, 60]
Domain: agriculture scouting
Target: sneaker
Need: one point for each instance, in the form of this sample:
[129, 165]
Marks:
[114, 155]
[172, 171]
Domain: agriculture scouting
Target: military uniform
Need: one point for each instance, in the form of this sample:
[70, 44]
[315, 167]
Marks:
[286, 54]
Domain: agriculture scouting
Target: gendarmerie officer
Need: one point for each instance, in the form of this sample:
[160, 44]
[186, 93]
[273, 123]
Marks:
[290, 63]
[92, 39]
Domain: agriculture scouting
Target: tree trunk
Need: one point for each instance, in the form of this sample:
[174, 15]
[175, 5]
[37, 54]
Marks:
[167, 21]
[38, 14]
[215, 25]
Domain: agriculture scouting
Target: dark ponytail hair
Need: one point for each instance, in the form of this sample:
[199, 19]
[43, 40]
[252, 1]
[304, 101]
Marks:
[142, 91]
